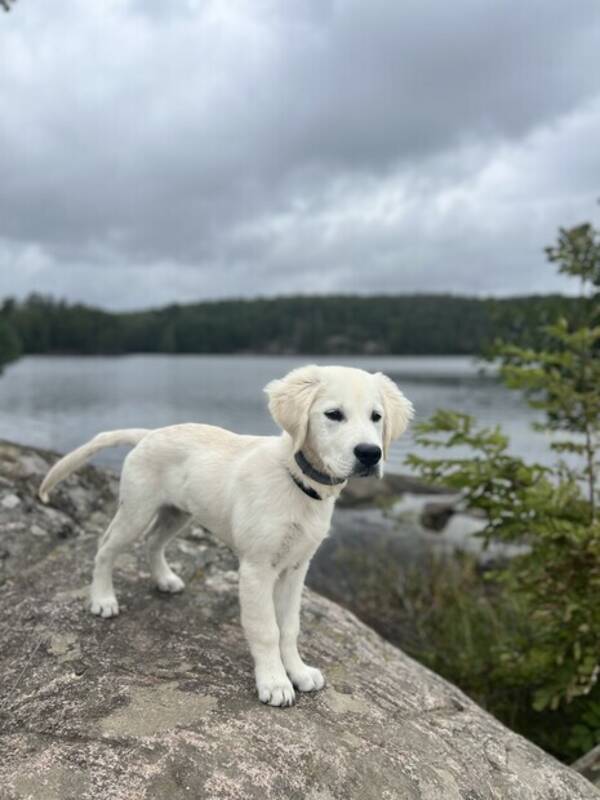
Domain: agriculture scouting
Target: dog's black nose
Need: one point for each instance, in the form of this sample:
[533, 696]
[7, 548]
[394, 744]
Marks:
[367, 454]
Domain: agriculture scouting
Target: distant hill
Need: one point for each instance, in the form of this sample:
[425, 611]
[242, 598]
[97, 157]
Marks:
[405, 324]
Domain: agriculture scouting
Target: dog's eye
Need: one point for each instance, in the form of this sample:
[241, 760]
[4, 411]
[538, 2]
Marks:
[376, 416]
[336, 415]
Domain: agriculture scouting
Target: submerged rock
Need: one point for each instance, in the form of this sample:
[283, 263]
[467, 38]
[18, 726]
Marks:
[435, 516]
[160, 701]
[378, 491]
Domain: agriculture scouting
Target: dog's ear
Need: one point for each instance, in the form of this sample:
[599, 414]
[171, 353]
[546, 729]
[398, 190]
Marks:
[290, 400]
[397, 411]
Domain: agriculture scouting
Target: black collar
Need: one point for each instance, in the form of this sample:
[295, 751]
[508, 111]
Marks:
[313, 473]
[306, 489]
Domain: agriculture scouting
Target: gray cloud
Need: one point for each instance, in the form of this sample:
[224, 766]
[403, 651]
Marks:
[158, 151]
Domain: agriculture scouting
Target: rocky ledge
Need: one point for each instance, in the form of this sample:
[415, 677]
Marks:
[159, 702]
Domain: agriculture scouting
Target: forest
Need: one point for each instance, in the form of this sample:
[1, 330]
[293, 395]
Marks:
[435, 324]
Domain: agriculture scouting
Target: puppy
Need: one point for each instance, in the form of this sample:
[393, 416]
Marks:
[270, 498]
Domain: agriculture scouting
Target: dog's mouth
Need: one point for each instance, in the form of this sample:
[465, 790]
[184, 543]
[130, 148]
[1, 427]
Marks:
[360, 471]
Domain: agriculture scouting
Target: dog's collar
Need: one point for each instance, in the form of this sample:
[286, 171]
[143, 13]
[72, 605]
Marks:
[313, 473]
[306, 489]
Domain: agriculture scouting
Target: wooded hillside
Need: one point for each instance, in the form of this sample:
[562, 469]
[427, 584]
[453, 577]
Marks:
[406, 325]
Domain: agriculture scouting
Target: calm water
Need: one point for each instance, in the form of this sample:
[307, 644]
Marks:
[60, 402]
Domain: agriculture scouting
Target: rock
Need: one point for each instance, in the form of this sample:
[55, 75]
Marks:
[435, 516]
[361, 538]
[368, 537]
[379, 491]
[160, 701]
[21, 472]
[10, 501]
[589, 765]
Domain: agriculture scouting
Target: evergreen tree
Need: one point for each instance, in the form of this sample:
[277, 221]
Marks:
[10, 346]
[551, 513]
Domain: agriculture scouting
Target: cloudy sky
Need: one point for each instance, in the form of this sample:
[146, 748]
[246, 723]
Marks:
[161, 150]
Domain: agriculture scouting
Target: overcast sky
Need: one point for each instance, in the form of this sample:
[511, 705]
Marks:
[154, 151]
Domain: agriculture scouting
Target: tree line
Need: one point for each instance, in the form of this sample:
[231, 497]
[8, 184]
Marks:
[404, 325]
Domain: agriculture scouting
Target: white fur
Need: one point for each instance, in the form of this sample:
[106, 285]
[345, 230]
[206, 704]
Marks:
[240, 488]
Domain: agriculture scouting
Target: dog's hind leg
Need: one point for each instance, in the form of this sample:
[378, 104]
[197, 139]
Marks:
[128, 524]
[169, 522]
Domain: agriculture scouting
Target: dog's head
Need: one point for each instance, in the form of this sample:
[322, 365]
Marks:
[344, 418]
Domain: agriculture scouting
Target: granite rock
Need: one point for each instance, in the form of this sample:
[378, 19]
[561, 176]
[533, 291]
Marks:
[160, 701]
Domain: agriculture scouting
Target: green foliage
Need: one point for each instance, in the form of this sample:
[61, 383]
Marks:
[551, 513]
[578, 253]
[564, 382]
[563, 379]
[490, 479]
[585, 733]
[420, 324]
[556, 579]
[10, 346]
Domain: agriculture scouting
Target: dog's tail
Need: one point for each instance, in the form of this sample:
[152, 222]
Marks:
[77, 458]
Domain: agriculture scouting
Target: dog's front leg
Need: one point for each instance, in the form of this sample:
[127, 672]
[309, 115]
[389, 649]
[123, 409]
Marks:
[257, 583]
[288, 596]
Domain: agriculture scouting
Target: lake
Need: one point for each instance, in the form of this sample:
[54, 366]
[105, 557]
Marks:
[60, 402]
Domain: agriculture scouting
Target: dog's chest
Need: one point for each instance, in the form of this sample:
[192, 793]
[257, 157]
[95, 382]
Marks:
[295, 544]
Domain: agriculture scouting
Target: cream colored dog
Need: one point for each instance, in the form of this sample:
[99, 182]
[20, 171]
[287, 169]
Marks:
[270, 498]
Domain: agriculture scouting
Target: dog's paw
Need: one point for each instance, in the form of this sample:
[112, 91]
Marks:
[308, 679]
[106, 606]
[276, 693]
[170, 583]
